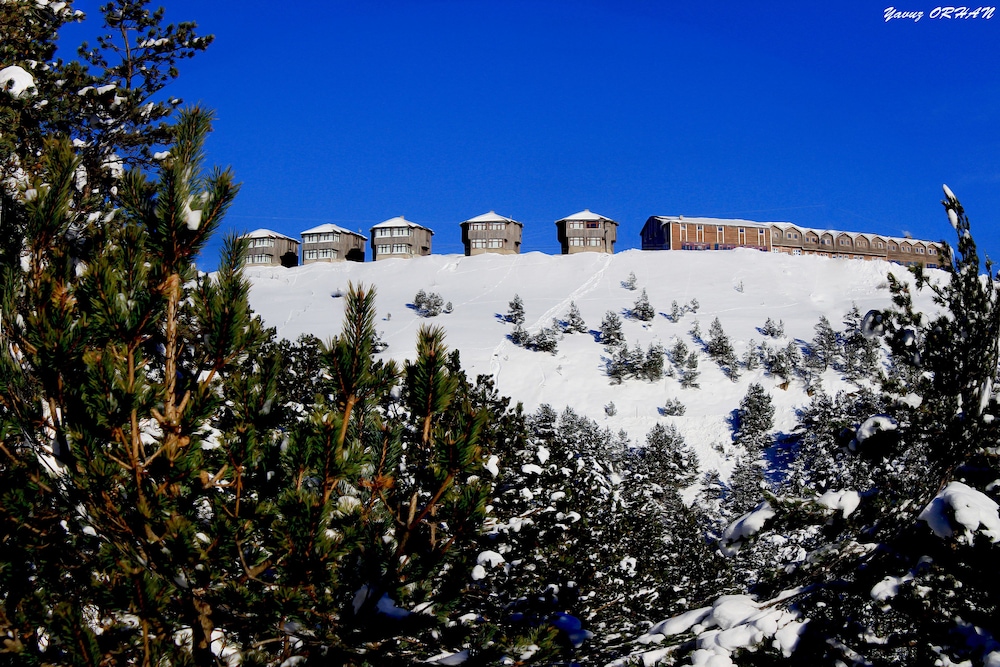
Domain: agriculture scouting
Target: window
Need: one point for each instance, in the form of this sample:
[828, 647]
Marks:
[477, 226]
[576, 241]
[327, 253]
[260, 259]
[595, 242]
[496, 243]
[742, 233]
[261, 243]
[575, 225]
[892, 246]
[400, 249]
[826, 242]
[478, 243]
[593, 225]
[920, 251]
[498, 225]
[392, 231]
[383, 249]
[309, 254]
[845, 242]
[796, 251]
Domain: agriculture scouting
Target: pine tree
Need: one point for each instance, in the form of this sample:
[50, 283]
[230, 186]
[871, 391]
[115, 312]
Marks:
[861, 354]
[630, 282]
[675, 312]
[886, 572]
[689, 379]
[515, 311]
[193, 502]
[109, 101]
[574, 321]
[721, 350]
[611, 331]
[773, 329]
[754, 419]
[652, 366]
[641, 310]
[825, 345]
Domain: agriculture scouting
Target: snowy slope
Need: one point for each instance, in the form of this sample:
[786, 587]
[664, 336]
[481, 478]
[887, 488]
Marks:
[742, 288]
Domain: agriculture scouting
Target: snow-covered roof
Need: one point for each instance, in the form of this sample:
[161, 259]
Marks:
[491, 217]
[400, 221]
[267, 234]
[586, 215]
[330, 227]
[854, 235]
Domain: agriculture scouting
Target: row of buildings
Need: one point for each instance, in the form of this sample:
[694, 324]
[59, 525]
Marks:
[586, 232]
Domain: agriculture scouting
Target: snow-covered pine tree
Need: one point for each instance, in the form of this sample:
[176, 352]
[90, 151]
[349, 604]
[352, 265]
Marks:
[158, 500]
[574, 320]
[109, 101]
[630, 282]
[611, 331]
[641, 309]
[861, 354]
[825, 347]
[754, 420]
[885, 567]
[515, 311]
[773, 329]
[721, 350]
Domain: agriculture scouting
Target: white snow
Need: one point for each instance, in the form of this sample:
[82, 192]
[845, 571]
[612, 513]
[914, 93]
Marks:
[960, 504]
[871, 426]
[746, 526]
[733, 622]
[845, 501]
[797, 290]
[17, 81]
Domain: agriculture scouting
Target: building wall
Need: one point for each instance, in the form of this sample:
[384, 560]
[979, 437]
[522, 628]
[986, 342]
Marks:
[662, 234]
[402, 242]
[503, 238]
[704, 236]
[272, 251]
[600, 237]
[343, 246]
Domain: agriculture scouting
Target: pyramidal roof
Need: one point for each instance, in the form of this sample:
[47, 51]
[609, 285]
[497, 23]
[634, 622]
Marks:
[267, 234]
[400, 221]
[491, 217]
[586, 215]
[329, 227]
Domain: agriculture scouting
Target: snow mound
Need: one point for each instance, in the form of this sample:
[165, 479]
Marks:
[960, 504]
[844, 501]
[17, 81]
[732, 623]
[744, 527]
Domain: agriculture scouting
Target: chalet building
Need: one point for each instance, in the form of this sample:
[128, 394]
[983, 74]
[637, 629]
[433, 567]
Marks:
[667, 232]
[795, 240]
[587, 232]
[330, 243]
[267, 248]
[491, 233]
[680, 233]
[399, 237]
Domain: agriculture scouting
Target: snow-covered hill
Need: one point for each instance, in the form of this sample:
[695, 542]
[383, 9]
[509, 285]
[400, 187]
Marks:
[742, 288]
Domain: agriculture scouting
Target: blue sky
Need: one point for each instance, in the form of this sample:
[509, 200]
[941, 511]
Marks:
[822, 114]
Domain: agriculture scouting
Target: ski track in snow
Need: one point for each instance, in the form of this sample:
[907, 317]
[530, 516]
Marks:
[589, 285]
